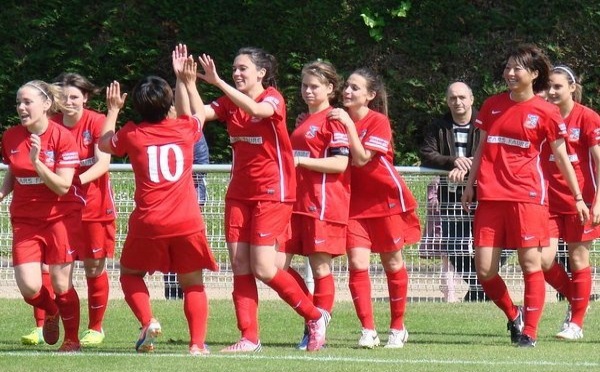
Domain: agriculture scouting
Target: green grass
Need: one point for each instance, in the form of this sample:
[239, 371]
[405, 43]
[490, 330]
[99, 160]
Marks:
[443, 337]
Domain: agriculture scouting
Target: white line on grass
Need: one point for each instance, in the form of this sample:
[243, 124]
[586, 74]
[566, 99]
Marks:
[88, 354]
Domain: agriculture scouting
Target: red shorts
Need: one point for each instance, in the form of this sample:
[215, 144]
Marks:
[177, 254]
[569, 228]
[100, 242]
[257, 222]
[311, 235]
[384, 234]
[505, 224]
[52, 243]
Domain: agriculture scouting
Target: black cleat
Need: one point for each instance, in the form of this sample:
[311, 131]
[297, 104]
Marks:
[516, 327]
[525, 341]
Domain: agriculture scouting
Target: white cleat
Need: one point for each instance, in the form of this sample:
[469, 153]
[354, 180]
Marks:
[368, 339]
[397, 338]
[572, 332]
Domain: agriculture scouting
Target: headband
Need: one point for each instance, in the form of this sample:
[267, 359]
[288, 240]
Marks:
[39, 88]
[568, 71]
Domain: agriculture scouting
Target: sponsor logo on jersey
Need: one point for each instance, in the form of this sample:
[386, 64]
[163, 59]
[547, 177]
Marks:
[532, 121]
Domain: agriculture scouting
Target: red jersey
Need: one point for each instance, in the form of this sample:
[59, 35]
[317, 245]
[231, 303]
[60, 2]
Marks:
[263, 163]
[583, 128]
[324, 196]
[31, 198]
[377, 188]
[511, 167]
[161, 157]
[100, 204]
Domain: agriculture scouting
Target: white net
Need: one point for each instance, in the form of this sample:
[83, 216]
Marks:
[436, 273]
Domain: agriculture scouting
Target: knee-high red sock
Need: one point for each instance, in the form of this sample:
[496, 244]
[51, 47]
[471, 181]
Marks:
[300, 280]
[397, 288]
[558, 278]
[581, 288]
[68, 305]
[287, 288]
[245, 301]
[38, 313]
[360, 290]
[137, 297]
[324, 296]
[535, 295]
[495, 288]
[195, 307]
[97, 300]
[43, 301]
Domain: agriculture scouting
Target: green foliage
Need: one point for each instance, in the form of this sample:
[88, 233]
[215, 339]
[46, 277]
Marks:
[419, 47]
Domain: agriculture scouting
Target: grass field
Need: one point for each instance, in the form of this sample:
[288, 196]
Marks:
[443, 337]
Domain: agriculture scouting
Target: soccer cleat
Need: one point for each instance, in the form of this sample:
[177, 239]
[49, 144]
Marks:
[525, 341]
[303, 344]
[317, 331]
[243, 346]
[516, 326]
[69, 346]
[92, 337]
[397, 338]
[51, 330]
[572, 332]
[148, 335]
[196, 350]
[35, 337]
[368, 339]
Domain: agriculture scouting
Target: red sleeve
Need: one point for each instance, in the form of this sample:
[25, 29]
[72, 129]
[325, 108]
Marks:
[591, 131]
[221, 108]
[379, 135]
[556, 127]
[68, 155]
[276, 100]
[339, 134]
[118, 142]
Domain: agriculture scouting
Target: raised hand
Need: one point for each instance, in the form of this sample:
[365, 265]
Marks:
[189, 71]
[114, 99]
[342, 116]
[210, 70]
[179, 56]
[36, 146]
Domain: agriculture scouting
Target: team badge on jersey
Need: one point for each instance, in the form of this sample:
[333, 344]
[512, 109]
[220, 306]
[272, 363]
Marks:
[87, 137]
[574, 134]
[49, 157]
[362, 134]
[532, 121]
[312, 131]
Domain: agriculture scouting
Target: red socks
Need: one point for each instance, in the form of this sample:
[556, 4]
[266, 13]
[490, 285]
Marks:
[496, 290]
[245, 301]
[97, 300]
[558, 278]
[398, 289]
[535, 295]
[287, 288]
[324, 296]
[43, 301]
[360, 289]
[137, 297]
[68, 305]
[195, 307]
[581, 288]
[38, 313]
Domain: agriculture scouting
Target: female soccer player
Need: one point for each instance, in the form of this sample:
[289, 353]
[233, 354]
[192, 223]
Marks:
[261, 192]
[166, 229]
[320, 214]
[382, 209]
[45, 210]
[583, 128]
[99, 211]
[513, 207]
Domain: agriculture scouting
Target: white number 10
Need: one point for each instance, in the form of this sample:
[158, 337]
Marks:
[158, 158]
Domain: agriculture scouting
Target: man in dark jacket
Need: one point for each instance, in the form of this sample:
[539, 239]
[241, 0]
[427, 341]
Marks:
[450, 143]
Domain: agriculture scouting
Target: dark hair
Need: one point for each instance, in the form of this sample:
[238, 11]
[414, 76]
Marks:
[71, 79]
[47, 91]
[571, 78]
[326, 73]
[264, 60]
[375, 84]
[533, 58]
[152, 98]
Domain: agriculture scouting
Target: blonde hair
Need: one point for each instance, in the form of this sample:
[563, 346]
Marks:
[50, 92]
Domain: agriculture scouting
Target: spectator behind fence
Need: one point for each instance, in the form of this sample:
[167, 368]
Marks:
[201, 156]
[513, 211]
[449, 144]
